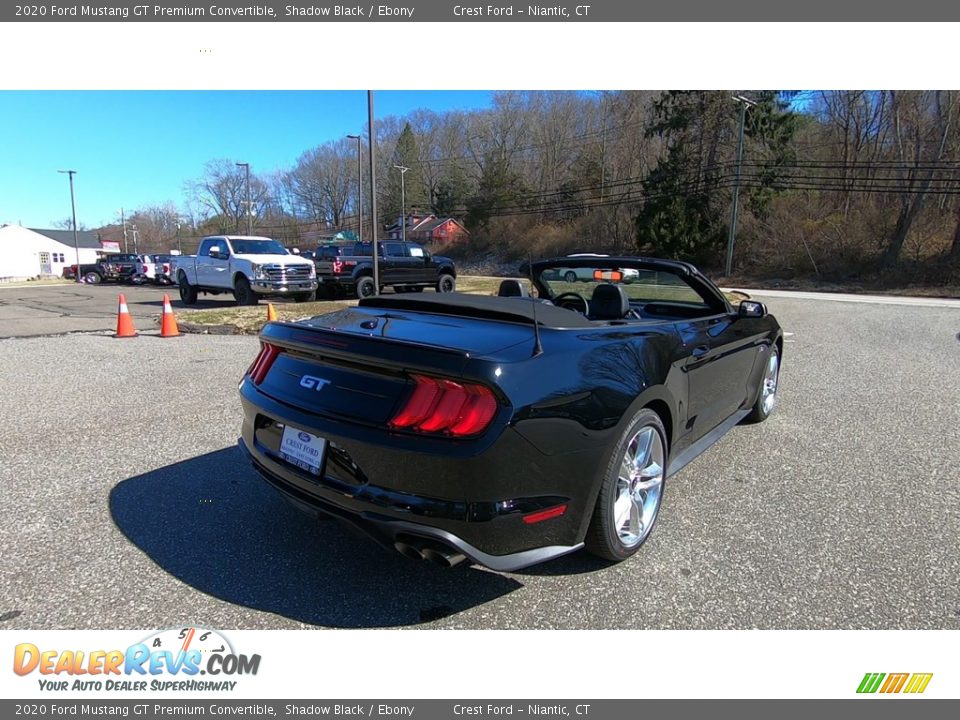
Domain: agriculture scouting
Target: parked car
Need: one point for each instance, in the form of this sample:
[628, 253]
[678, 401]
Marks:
[117, 267]
[153, 269]
[508, 430]
[248, 267]
[586, 274]
[344, 268]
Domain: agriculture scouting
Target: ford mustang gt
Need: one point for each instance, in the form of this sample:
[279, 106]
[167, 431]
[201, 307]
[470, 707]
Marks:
[512, 429]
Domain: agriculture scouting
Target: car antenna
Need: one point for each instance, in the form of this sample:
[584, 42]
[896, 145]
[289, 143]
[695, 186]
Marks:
[537, 347]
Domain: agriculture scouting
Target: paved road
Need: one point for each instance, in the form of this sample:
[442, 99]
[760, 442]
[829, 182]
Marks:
[126, 505]
[30, 310]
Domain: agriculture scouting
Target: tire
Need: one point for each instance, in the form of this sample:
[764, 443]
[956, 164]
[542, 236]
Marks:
[366, 287]
[446, 283]
[626, 511]
[766, 401]
[243, 293]
[303, 297]
[400, 289]
[570, 276]
[416, 288]
[188, 293]
[93, 278]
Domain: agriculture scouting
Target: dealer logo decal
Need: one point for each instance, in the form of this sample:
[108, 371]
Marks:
[912, 683]
[167, 660]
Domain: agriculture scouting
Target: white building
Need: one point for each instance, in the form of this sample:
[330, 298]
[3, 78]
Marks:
[26, 253]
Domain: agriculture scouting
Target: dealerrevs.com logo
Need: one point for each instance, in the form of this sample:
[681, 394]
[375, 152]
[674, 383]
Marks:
[179, 659]
[892, 683]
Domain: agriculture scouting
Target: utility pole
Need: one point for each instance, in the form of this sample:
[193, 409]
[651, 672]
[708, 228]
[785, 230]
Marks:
[359, 190]
[179, 244]
[73, 209]
[136, 248]
[373, 193]
[123, 221]
[246, 167]
[403, 203]
[744, 104]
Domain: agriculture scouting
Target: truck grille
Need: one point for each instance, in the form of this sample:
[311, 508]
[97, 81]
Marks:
[287, 272]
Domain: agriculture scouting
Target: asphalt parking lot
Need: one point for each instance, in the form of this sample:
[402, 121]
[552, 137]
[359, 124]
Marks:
[126, 504]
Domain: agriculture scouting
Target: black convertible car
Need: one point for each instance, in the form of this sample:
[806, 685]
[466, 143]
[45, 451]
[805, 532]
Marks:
[514, 429]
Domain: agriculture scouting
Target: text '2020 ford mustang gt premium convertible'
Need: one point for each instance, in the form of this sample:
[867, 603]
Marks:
[509, 430]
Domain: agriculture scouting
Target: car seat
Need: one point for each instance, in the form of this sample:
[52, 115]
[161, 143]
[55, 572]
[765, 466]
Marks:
[609, 302]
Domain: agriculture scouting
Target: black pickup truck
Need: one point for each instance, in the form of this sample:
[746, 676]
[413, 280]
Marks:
[120, 267]
[404, 266]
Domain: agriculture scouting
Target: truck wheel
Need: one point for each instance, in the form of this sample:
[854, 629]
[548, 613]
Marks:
[303, 297]
[366, 287]
[243, 293]
[93, 278]
[446, 284]
[188, 293]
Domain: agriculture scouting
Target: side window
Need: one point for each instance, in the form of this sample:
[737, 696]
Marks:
[394, 250]
[416, 251]
[205, 247]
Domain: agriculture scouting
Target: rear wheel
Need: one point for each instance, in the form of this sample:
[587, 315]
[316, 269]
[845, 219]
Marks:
[366, 287]
[243, 293]
[93, 278]
[570, 277]
[188, 293]
[446, 283]
[629, 500]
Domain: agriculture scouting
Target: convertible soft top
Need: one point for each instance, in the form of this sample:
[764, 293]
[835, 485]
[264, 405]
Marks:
[518, 310]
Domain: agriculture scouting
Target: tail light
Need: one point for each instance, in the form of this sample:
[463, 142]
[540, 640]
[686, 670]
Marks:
[447, 407]
[337, 266]
[166, 268]
[262, 363]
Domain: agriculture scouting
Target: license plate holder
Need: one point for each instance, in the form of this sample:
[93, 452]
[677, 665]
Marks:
[303, 449]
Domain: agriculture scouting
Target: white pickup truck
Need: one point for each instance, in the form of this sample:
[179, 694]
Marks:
[249, 267]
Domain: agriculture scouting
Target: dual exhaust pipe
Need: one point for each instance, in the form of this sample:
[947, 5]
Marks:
[429, 550]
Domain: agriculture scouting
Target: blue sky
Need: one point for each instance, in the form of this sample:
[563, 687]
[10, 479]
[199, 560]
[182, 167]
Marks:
[132, 149]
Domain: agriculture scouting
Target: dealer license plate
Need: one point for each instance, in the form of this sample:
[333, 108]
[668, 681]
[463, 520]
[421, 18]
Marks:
[302, 449]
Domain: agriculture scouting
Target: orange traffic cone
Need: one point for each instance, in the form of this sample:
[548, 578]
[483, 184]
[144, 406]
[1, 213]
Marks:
[271, 313]
[125, 326]
[168, 325]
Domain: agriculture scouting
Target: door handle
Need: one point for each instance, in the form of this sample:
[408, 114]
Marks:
[700, 351]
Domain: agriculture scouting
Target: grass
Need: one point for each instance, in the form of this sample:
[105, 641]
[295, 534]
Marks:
[249, 320]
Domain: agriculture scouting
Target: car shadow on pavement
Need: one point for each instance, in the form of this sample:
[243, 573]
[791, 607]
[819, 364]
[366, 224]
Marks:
[212, 523]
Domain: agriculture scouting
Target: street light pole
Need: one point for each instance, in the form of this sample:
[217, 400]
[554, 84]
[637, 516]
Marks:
[123, 221]
[744, 104]
[136, 246]
[403, 203]
[359, 190]
[246, 167]
[179, 244]
[73, 209]
[371, 149]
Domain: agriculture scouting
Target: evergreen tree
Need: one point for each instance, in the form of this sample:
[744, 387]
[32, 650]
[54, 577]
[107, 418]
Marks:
[406, 154]
[688, 195]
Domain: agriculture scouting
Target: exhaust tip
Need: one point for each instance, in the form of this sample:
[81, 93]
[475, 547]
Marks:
[408, 550]
[442, 556]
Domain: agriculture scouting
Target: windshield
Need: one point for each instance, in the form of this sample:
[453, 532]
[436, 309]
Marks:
[258, 247]
[640, 285]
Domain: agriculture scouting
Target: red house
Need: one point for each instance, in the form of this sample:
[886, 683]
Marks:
[439, 231]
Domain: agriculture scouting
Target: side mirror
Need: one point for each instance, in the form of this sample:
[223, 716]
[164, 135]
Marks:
[751, 309]
[215, 253]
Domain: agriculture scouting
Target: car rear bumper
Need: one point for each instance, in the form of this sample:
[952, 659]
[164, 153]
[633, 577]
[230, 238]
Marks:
[392, 532]
[480, 505]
